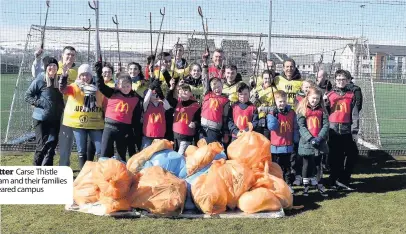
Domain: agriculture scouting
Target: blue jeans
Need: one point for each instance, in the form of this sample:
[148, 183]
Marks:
[81, 142]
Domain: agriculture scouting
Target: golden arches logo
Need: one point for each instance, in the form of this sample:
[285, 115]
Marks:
[183, 116]
[313, 122]
[214, 104]
[285, 127]
[121, 106]
[154, 118]
[242, 121]
[341, 107]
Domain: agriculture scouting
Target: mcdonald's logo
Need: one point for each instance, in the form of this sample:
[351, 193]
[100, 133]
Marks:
[341, 107]
[121, 106]
[214, 104]
[154, 118]
[313, 122]
[242, 121]
[285, 127]
[183, 116]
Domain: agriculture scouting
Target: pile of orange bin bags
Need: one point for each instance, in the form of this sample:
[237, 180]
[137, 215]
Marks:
[112, 185]
[248, 180]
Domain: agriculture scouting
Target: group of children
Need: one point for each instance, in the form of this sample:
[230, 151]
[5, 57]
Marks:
[134, 110]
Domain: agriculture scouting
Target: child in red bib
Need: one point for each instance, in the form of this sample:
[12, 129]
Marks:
[281, 121]
[186, 117]
[123, 110]
[313, 124]
[154, 106]
[243, 111]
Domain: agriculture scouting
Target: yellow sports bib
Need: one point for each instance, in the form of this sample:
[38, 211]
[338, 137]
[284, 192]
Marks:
[291, 87]
[75, 117]
[139, 87]
[178, 73]
[231, 91]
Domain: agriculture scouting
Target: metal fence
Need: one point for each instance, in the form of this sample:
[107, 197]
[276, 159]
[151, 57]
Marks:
[368, 38]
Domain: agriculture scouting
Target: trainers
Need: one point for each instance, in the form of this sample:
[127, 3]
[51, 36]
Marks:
[313, 181]
[344, 186]
[306, 190]
[291, 189]
[298, 180]
[322, 190]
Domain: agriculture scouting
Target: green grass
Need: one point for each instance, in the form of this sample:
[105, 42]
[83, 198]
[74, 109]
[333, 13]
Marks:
[8, 82]
[376, 207]
[391, 117]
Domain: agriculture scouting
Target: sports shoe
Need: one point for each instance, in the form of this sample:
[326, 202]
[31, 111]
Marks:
[322, 190]
[313, 181]
[298, 180]
[344, 186]
[306, 190]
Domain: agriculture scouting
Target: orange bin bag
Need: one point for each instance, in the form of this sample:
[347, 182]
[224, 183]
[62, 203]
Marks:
[114, 205]
[84, 188]
[209, 192]
[190, 150]
[202, 156]
[113, 178]
[159, 192]
[257, 200]
[250, 148]
[237, 177]
[137, 161]
[277, 185]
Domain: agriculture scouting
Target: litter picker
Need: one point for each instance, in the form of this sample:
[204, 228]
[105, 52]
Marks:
[115, 21]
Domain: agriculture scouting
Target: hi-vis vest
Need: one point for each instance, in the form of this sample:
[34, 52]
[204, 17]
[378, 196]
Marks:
[291, 87]
[120, 108]
[154, 123]
[72, 73]
[283, 136]
[178, 73]
[242, 117]
[314, 121]
[139, 87]
[265, 96]
[340, 107]
[182, 118]
[213, 107]
[231, 91]
[111, 83]
[75, 117]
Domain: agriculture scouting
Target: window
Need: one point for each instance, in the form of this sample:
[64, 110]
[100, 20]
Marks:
[365, 57]
[365, 66]
[308, 66]
[304, 66]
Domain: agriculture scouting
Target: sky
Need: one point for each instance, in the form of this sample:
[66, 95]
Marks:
[381, 23]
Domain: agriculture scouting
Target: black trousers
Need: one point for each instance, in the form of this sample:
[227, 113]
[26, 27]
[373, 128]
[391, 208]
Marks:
[284, 161]
[118, 135]
[311, 166]
[211, 135]
[342, 157]
[46, 137]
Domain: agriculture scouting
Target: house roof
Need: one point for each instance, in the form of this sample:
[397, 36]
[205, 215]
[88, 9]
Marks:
[393, 50]
[303, 59]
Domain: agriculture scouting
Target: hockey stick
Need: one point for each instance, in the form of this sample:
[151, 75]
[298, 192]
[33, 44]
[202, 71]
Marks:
[160, 28]
[162, 53]
[115, 21]
[199, 10]
[45, 25]
[88, 41]
[150, 28]
[331, 70]
[174, 59]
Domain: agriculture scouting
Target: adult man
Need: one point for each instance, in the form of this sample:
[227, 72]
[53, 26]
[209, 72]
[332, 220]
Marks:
[216, 69]
[232, 80]
[66, 134]
[289, 81]
[356, 90]
[322, 82]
